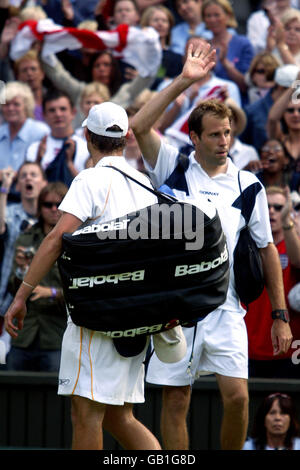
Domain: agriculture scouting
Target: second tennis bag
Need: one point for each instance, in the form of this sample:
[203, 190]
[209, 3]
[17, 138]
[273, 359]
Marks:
[142, 273]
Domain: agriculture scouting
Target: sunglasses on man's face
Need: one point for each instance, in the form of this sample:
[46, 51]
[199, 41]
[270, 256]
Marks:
[49, 204]
[276, 207]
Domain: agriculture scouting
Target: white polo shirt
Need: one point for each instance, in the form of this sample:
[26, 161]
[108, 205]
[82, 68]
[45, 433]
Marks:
[223, 192]
[105, 192]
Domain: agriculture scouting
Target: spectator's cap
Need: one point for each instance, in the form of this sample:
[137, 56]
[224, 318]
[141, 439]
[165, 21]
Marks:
[103, 116]
[286, 75]
[239, 116]
[170, 345]
[294, 297]
[295, 197]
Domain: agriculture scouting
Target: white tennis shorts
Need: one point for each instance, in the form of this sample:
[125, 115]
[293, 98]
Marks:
[92, 368]
[221, 347]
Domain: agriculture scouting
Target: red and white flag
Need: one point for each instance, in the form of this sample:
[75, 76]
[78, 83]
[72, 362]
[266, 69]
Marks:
[138, 47]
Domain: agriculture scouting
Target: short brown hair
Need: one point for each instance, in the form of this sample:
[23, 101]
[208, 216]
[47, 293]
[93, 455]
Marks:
[107, 144]
[213, 107]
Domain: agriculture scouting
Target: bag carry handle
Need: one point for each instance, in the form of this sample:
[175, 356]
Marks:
[158, 194]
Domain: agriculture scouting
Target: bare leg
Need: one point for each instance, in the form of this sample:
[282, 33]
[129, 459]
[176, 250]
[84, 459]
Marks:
[87, 417]
[127, 430]
[175, 406]
[234, 393]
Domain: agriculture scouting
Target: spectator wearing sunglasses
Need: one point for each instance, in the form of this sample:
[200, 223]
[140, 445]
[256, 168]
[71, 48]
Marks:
[262, 362]
[37, 347]
[275, 425]
[260, 77]
[258, 112]
[284, 125]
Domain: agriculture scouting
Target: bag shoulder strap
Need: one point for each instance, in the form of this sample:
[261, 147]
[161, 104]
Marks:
[176, 180]
[158, 194]
[242, 195]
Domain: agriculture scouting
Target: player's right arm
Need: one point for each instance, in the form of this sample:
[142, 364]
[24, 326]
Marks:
[200, 60]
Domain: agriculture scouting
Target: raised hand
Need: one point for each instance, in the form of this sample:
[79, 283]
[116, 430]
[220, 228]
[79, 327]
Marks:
[201, 58]
[10, 29]
[8, 176]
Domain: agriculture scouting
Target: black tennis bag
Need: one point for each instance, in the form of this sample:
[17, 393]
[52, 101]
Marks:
[161, 266]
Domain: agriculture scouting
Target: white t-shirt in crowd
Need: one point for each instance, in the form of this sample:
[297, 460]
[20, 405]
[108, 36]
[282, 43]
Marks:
[242, 154]
[53, 147]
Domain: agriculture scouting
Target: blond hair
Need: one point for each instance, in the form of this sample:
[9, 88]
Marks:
[226, 7]
[275, 190]
[18, 89]
[290, 15]
[30, 55]
[32, 13]
[91, 25]
[95, 87]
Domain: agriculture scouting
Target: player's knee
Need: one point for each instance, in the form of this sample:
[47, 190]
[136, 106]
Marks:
[84, 411]
[237, 400]
[176, 400]
[118, 417]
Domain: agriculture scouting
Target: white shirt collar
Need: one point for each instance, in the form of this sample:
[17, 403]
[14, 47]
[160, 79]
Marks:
[232, 170]
[113, 159]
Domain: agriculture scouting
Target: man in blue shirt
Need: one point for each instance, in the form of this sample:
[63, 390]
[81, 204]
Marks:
[190, 12]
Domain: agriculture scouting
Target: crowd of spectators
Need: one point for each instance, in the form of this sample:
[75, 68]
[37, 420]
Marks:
[256, 74]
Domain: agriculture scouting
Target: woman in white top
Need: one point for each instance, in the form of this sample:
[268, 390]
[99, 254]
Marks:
[275, 425]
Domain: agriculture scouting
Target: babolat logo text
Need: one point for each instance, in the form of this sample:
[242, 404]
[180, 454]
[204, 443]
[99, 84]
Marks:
[160, 221]
[112, 278]
[184, 269]
[142, 330]
[106, 227]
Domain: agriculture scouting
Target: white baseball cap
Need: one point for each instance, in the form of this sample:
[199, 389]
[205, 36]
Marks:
[170, 345]
[105, 115]
[294, 297]
[286, 75]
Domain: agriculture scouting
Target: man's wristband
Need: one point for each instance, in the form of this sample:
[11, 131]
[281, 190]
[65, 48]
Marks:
[281, 314]
[53, 292]
[4, 190]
